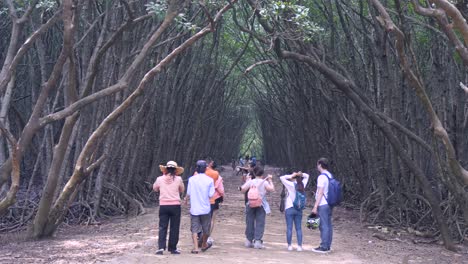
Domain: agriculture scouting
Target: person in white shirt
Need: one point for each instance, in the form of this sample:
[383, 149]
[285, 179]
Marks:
[322, 208]
[294, 182]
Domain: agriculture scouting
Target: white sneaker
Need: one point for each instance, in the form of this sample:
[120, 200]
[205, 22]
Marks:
[299, 248]
[290, 248]
[248, 243]
[258, 244]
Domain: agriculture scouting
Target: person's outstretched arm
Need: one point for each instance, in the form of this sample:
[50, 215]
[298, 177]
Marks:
[270, 186]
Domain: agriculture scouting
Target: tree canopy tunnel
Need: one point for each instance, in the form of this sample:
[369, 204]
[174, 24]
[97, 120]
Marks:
[108, 92]
[375, 89]
[95, 95]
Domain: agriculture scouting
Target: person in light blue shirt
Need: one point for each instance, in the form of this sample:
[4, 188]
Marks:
[199, 191]
[241, 161]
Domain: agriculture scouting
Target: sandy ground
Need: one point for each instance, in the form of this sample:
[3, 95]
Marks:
[134, 239]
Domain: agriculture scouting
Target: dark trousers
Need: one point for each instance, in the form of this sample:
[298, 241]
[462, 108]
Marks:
[255, 223]
[169, 214]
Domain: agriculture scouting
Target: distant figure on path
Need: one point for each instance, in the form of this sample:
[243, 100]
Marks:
[170, 186]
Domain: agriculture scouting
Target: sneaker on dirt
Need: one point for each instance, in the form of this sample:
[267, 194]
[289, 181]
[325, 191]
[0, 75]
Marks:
[248, 243]
[321, 250]
[258, 244]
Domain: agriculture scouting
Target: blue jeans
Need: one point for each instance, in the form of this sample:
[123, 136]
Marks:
[255, 223]
[293, 216]
[326, 228]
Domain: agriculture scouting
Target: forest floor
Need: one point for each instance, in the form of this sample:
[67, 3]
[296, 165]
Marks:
[134, 240]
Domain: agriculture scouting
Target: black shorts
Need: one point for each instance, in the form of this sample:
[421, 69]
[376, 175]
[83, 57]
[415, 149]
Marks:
[215, 206]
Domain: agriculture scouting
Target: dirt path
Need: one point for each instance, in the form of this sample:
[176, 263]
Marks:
[133, 240]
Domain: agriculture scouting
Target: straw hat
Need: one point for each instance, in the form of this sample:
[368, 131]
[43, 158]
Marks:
[171, 164]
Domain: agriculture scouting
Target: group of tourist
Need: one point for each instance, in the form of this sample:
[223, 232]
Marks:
[205, 191]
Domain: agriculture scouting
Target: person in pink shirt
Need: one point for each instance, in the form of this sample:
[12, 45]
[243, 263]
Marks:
[170, 186]
[217, 198]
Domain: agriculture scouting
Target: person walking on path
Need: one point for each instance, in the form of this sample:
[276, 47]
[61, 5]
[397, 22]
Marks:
[295, 182]
[199, 191]
[255, 215]
[219, 193]
[322, 208]
[170, 186]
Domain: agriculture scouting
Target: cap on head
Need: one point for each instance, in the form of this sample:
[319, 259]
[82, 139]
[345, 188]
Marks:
[201, 166]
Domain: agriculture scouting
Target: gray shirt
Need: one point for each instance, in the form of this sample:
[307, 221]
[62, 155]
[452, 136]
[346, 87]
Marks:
[260, 183]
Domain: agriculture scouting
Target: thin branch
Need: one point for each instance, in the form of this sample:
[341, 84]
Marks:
[406, 131]
[207, 13]
[26, 46]
[28, 12]
[130, 13]
[96, 164]
[246, 30]
[464, 88]
[12, 10]
[250, 68]
[88, 31]
[445, 25]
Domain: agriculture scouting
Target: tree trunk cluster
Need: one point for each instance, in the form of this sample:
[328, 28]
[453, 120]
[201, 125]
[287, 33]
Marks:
[97, 94]
[376, 91]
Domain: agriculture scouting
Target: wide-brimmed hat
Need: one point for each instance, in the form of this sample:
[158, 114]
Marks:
[171, 164]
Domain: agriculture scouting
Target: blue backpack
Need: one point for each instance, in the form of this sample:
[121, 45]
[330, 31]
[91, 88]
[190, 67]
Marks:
[300, 201]
[335, 196]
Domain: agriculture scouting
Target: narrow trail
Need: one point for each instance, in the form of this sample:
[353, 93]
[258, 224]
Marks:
[229, 236]
[134, 240]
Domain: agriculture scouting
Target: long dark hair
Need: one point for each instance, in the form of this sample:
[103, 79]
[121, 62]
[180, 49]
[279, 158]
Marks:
[257, 171]
[172, 172]
[299, 184]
